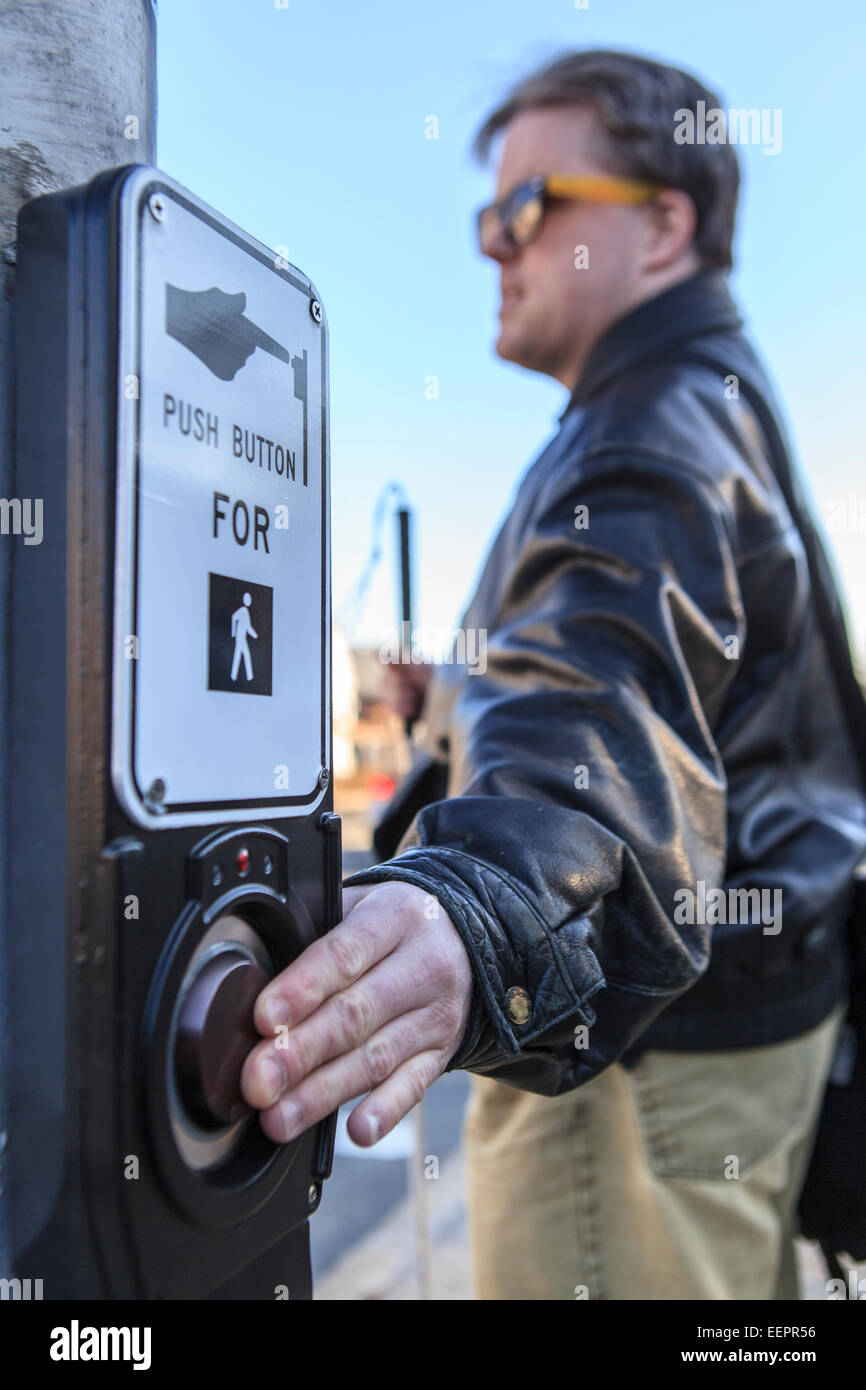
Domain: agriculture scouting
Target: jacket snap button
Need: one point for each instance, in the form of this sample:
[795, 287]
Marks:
[518, 1005]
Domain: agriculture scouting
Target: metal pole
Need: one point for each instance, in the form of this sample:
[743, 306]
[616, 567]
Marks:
[78, 95]
[421, 1205]
[418, 1182]
[403, 541]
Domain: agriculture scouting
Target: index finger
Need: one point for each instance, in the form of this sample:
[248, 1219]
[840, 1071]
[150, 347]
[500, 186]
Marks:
[259, 338]
[329, 965]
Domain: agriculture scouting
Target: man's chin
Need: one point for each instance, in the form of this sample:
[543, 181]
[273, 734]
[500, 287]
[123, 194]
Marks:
[508, 347]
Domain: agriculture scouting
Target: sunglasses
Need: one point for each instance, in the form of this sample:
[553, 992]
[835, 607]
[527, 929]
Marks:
[519, 217]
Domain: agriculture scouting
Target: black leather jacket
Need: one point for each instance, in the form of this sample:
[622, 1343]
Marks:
[665, 642]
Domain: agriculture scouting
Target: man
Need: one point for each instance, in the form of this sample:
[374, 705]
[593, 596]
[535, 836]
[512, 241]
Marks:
[619, 868]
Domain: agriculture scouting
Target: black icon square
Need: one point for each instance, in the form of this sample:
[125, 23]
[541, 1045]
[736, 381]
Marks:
[240, 635]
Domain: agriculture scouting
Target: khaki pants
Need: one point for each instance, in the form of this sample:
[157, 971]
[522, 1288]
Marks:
[677, 1179]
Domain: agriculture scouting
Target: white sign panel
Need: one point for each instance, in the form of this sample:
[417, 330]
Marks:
[221, 618]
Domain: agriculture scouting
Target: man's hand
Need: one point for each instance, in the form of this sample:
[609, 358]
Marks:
[404, 686]
[380, 1004]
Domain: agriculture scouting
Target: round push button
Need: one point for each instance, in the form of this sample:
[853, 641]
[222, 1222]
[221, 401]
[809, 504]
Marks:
[215, 1033]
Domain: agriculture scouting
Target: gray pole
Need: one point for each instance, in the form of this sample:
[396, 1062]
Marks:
[78, 95]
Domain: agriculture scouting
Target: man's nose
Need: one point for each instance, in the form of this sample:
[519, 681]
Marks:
[502, 251]
[498, 247]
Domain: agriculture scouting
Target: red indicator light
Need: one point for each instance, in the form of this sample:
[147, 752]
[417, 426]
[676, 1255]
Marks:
[243, 860]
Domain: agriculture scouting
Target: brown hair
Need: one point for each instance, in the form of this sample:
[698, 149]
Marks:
[636, 101]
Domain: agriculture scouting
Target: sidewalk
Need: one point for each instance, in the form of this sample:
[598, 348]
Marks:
[383, 1265]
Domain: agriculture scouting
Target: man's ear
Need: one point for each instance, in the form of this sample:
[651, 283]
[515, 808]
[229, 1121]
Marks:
[672, 222]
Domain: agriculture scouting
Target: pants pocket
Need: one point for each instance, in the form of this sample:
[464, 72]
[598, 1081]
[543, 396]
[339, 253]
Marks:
[716, 1115]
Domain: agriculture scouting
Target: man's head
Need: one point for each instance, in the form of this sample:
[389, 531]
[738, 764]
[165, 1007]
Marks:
[608, 114]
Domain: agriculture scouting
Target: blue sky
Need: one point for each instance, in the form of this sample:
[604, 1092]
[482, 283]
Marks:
[306, 125]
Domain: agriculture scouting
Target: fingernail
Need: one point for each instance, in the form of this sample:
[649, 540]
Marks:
[374, 1127]
[291, 1120]
[272, 1080]
[276, 1012]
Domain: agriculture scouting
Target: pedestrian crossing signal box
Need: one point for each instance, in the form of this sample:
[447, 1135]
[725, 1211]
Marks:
[173, 841]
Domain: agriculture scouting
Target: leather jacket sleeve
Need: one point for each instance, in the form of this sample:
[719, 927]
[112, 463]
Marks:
[590, 786]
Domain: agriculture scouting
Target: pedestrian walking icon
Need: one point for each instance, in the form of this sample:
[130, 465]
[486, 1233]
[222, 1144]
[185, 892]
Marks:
[242, 629]
[240, 635]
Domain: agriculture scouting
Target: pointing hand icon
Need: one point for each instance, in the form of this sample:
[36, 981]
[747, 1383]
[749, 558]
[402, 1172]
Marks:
[212, 324]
